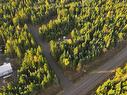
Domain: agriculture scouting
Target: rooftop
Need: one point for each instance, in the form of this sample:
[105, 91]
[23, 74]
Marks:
[5, 69]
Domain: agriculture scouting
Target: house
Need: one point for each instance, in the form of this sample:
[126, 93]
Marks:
[5, 69]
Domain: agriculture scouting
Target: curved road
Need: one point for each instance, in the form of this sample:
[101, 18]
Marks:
[64, 81]
[88, 82]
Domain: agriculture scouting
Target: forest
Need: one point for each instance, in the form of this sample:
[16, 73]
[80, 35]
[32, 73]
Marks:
[33, 72]
[77, 31]
[97, 27]
[33, 75]
[116, 85]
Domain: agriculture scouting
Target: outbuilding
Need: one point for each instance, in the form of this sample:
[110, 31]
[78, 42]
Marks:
[5, 69]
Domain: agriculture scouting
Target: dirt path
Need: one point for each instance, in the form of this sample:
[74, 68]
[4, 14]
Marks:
[96, 77]
[64, 81]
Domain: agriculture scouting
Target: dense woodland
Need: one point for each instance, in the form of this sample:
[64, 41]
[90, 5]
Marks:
[97, 27]
[116, 85]
[33, 74]
[77, 30]
[17, 42]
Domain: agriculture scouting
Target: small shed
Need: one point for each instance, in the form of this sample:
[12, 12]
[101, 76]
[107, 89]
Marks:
[5, 69]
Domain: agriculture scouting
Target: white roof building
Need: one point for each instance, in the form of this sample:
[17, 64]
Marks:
[5, 69]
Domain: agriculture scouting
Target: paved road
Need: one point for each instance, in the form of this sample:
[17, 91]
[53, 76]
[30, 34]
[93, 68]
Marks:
[89, 82]
[64, 81]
